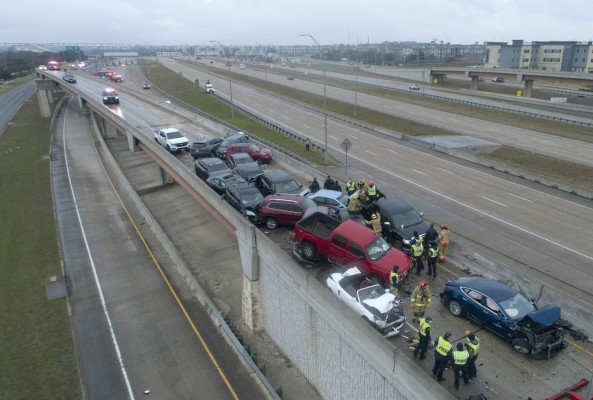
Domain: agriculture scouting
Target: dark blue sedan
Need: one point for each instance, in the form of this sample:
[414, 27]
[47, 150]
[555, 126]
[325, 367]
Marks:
[506, 312]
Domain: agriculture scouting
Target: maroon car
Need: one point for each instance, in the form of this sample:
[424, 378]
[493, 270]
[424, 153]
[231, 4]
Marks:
[283, 209]
[260, 155]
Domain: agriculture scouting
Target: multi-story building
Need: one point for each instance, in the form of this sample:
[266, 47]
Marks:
[545, 56]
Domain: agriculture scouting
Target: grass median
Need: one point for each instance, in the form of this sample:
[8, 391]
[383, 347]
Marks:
[6, 86]
[38, 358]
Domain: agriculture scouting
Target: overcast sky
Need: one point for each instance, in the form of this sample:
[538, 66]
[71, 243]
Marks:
[279, 22]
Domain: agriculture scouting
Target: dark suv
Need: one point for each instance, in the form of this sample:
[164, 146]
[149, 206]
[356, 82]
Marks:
[403, 221]
[110, 96]
[276, 181]
[205, 146]
[224, 145]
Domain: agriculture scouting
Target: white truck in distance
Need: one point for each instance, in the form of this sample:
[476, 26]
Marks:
[172, 140]
[209, 87]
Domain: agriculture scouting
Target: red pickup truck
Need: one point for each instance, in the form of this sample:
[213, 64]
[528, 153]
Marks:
[348, 244]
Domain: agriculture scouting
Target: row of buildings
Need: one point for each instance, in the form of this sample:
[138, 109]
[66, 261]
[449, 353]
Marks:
[570, 56]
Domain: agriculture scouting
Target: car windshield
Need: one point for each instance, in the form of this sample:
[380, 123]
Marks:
[243, 160]
[251, 197]
[407, 218]
[174, 135]
[286, 187]
[199, 145]
[216, 167]
[517, 307]
[344, 200]
[377, 248]
[308, 203]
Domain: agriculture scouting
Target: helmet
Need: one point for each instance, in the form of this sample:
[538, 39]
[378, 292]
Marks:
[374, 216]
[355, 196]
[428, 318]
[447, 335]
[361, 181]
[423, 283]
[443, 226]
[371, 183]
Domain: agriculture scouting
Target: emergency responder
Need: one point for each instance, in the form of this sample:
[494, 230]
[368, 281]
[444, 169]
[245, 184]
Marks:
[431, 259]
[424, 334]
[421, 300]
[375, 223]
[472, 345]
[362, 186]
[329, 183]
[371, 191]
[417, 253]
[431, 236]
[354, 205]
[444, 239]
[459, 361]
[442, 352]
[314, 186]
[394, 280]
[350, 187]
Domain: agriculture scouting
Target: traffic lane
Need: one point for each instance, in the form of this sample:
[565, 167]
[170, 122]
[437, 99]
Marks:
[502, 372]
[160, 350]
[12, 100]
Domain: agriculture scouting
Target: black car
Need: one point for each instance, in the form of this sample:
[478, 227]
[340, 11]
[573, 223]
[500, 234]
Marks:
[402, 218]
[146, 86]
[276, 181]
[246, 199]
[205, 146]
[221, 183]
[110, 96]
[249, 172]
[239, 160]
[207, 167]
[224, 145]
[70, 78]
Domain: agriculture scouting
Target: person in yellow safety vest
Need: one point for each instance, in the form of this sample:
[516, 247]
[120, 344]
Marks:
[424, 333]
[371, 191]
[421, 300]
[431, 259]
[354, 204]
[417, 253]
[473, 346]
[444, 239]
[459, 358]
[350, 187]
[362, 190]
[375, 223]
[394, 280]
[442, 352]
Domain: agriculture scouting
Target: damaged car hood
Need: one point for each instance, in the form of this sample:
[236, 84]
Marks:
[382, 304]
[542, 318]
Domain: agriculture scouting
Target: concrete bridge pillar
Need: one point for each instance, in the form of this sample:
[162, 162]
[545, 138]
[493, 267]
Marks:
[527, 89]
[132, 142]
[475, 80]
[44, 96]
[251, 311]
[110, 131]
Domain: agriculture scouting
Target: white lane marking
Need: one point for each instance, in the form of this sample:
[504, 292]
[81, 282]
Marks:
[420, 172]
[352, 136]
[88, 250]
[444, 196]
[333, 137]
[494, 201]
[306, 126]
[519, 197]
[370, 152]
[393, 151]
[446, 170]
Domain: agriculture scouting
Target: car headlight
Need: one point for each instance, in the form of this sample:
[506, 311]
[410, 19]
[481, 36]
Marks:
[250, 213]
[104, 98]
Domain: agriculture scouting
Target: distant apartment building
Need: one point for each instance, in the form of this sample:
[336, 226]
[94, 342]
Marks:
[544, 56]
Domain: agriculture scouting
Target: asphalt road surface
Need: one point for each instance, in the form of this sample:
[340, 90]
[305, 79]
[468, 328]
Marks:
[131, 332]
[12, 100]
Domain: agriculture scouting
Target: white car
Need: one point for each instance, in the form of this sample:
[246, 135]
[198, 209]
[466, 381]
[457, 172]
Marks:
[42, 68]
[375, 305]
[413, 86]
[172, 140]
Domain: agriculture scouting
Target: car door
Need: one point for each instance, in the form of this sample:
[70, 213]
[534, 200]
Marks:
[162, 139]
[293, 213]
[337, 249]
[473, 305]
[494, 318]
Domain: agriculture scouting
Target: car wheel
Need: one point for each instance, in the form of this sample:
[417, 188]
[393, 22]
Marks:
[309, 250]
[169, 149]
[520, 345]
[455, 308]
[271, 223]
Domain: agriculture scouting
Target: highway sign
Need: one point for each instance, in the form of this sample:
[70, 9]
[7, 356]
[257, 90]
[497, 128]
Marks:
[346, 144]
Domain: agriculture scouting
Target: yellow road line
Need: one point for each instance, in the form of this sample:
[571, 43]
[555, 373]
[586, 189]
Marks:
[167, 282]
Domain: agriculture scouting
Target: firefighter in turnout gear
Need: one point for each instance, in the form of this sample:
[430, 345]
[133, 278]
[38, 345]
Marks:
[375, 223]
[444, 239]
[354, 205]
[424, 334]
[460, 357]
[473, 346]
[442, 353]
[421, 300]
[350, 187]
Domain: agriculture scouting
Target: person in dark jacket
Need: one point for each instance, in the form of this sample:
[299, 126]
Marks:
[329, 183]
[314, 186]
[431, 237]
[424, 335]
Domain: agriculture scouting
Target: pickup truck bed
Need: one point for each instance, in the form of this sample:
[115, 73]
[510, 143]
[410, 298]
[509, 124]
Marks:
[320, 225]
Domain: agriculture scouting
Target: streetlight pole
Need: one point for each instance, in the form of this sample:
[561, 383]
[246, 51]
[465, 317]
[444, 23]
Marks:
[228, 58]
[324, 98]
[356, 93]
